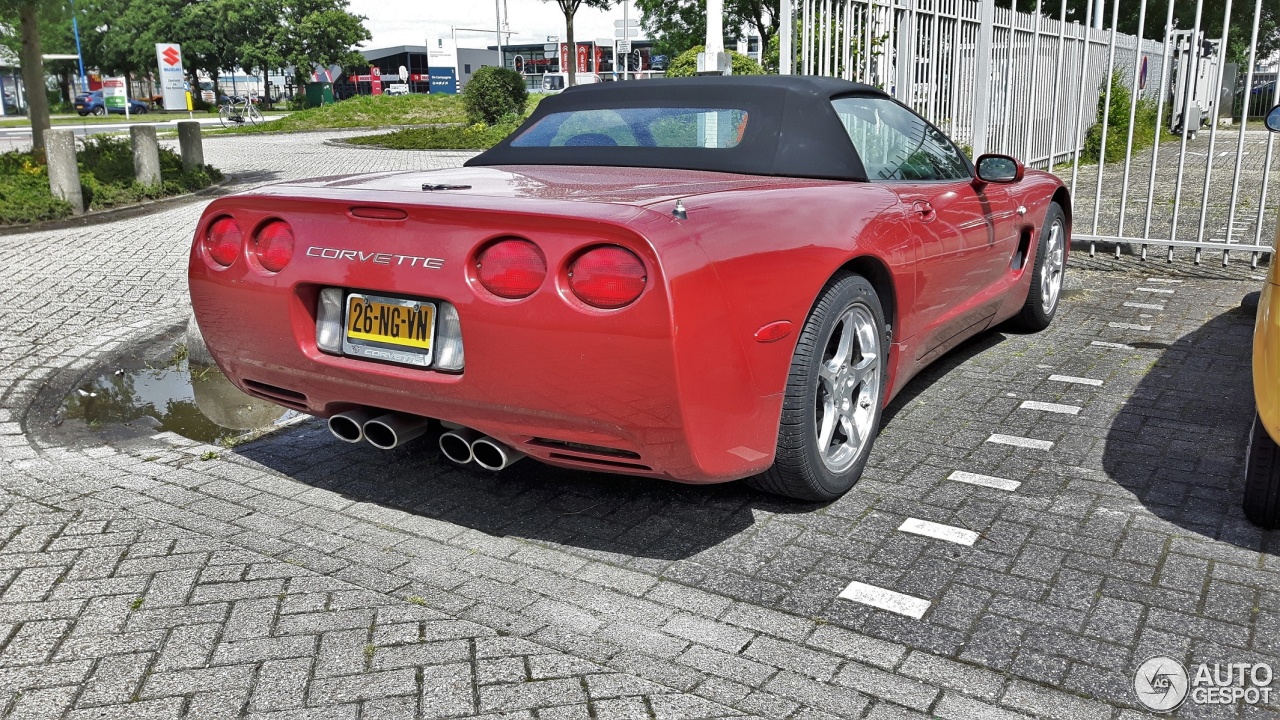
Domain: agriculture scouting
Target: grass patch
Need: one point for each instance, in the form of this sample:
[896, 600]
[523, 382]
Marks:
[367, 111]
[106, 180]
[448, 137]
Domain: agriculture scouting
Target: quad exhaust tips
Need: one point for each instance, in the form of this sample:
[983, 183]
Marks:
[385, 431]
[349, 426]
[456, 444]
[493, 455]
[465, 445]
[394, 429]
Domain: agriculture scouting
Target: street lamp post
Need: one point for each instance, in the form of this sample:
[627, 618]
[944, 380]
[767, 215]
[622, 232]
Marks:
[75, 28]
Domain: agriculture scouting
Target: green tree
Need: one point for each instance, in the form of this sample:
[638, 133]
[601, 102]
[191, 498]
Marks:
[316, 32]
[677, 25]
[29, 16]
[570, 8]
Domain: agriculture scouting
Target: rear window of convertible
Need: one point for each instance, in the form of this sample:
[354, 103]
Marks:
[662, 127]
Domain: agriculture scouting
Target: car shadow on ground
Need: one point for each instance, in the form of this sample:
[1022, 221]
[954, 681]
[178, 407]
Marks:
[629, 516]
[1178, 442]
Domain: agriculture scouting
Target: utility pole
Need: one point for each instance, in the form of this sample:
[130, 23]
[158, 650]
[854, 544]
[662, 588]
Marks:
[714, 59]
[786, 31]
[75, 28]
[497, 12]
[626, 32]
[1099, 7]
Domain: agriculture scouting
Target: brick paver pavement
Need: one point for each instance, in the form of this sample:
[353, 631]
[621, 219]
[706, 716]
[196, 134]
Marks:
[303, 576]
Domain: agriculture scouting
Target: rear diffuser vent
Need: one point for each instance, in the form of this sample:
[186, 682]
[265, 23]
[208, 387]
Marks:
[598, 461]
[583, 448]
[284, 396]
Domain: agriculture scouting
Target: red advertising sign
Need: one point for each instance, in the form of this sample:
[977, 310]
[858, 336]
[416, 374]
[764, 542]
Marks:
[599, 58]
[564, 57]
[583, 57]
[375, 80]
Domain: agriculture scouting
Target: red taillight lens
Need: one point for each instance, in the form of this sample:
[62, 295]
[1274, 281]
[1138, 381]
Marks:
[274, 245]
[511, 268]
[222, 241]
[607, 277]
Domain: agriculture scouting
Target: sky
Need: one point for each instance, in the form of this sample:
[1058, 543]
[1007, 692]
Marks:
[412, 22]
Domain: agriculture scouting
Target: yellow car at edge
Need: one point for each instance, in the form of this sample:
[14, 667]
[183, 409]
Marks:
[1262, 462]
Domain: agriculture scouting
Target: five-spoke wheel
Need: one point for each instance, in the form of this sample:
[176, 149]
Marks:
[835, 392]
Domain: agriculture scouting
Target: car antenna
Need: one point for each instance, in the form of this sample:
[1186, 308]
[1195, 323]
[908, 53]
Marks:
[679, 212]
[442, 186]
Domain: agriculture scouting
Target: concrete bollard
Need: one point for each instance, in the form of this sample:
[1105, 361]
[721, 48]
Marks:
[146, 154]
[64, 173]
[191, 144]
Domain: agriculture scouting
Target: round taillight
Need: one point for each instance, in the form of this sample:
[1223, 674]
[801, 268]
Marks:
[607, 277]
[511, 268]
[222, 241]
[274, 245]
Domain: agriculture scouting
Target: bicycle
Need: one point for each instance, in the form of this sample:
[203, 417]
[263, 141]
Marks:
[238, 111]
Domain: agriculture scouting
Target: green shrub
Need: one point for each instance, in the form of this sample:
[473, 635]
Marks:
[493, 92]
[24, 191]
[1144, 124]
[106, 180]
[686, 64]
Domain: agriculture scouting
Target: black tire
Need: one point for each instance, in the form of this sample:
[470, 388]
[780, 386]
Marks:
[801, 469]
[1040, 306]
[81, 114]
[100, 111]
[1262, 478]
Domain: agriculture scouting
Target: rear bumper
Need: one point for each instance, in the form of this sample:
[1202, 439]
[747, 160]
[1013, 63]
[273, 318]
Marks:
[541, 374]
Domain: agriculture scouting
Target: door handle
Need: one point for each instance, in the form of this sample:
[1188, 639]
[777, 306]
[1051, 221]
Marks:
[925, 209]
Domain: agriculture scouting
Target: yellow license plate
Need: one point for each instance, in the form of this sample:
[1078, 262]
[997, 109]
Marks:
[394, 322]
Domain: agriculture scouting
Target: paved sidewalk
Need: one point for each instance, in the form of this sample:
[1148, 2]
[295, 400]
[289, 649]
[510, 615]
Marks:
[302, 576]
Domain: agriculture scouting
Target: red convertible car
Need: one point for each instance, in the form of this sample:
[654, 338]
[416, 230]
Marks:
[702, 280]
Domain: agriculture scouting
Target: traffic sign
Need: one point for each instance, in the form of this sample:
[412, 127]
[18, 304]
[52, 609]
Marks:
[624, 46]
[551, 48]
[629, 32]
[629, 22]
[551, 55]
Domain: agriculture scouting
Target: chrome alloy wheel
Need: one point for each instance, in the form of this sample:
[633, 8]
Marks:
[849, 380]
[1051, 268]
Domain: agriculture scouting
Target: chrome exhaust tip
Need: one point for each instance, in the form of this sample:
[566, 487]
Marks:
[349, 426]
[456, 445]
[394, 429]
[493, 455]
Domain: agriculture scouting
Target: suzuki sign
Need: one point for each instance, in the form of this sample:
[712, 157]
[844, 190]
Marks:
[172, 78]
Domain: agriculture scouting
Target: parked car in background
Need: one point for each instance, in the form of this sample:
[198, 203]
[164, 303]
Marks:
[91, 103]
[1262, 461]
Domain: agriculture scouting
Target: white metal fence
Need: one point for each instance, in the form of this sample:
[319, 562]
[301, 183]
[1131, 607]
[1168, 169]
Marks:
[1031, 86]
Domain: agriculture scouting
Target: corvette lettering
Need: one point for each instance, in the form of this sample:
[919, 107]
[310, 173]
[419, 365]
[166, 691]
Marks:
[376, 258]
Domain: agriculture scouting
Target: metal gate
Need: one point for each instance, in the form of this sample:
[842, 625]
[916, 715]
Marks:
[1033, 86]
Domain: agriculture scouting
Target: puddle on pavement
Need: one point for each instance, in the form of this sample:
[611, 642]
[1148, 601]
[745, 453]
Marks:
[156, 389]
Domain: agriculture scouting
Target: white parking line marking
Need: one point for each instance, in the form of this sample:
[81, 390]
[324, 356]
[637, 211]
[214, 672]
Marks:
[1129, 326]
[1021, 442]
[1165, 291]
[936, 531]
[1076, 380]
[1163, 281]
[1049, 407]
[1144, 306]
[990, 481]
[894, 602]
[1116, 346]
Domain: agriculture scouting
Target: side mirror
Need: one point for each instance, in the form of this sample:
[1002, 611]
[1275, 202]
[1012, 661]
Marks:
[1273, 119]
[999, 169]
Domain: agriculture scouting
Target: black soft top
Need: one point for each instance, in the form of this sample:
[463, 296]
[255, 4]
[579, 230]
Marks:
[793, 130]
